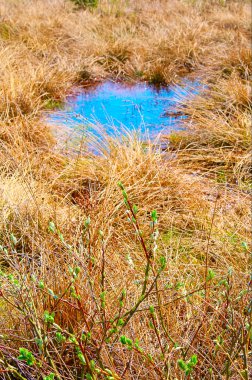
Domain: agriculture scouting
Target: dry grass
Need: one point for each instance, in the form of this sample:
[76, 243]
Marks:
[217, 137]
[62, 209]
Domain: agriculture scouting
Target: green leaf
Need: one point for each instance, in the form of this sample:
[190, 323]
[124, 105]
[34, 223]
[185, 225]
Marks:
[51, 227]
[244, 245]
[120, 322]
[41, 285]
[120, 185]
[135, 209]
[152, 309]
[49, 377]
[102, 296]
[87, 222]
[162, 261]
[123, 339]
[49, 318]
[13, 239]
[125, 195]
[182, 365]
[59, 337]
[27, 356]
[210, 275]
[154, 216]
[77, 270]
[80, 355]
[193, 360]
[92, 365]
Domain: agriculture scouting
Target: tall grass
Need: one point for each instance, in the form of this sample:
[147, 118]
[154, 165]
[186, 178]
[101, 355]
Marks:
[132, 263]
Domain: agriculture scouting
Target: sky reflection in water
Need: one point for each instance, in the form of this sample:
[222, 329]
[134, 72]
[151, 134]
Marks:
[117, 106]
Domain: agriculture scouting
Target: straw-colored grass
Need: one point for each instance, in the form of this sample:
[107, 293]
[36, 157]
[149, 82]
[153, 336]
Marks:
[93, 283]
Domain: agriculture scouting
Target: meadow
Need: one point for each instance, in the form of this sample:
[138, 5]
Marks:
[135, 263]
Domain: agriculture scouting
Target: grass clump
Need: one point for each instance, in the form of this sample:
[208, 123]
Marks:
[218, 130]
[132, 263]
[86, 3]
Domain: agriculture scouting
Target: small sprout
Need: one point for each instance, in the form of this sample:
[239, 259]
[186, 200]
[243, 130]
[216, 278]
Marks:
[87, 222]
[80, 356]
[125, 195]
[49, 377]
[102, 296]
[51, 227]
[73, 340]
[179, 285]
[120, 185]
[86, 336]
[210, 275]
[150, 357]
[182, 364]
[162, 262]
[126, 202]
[112, 331]
[73, 293]
[188, 366]
[154, 216]
[244, 245]
[49, 318]
[60, 235]
[103, 299]
[152, 309]
[13, 239]
[123, 339]
[59, 337]
[135, 209]
[76, 271]
[120, 322]
[126, 341]
[27, 356]
[151, 326]
[41, 285]
[92, 365]
[224, 283]
[136, 344]
[168, 286]
[242, 294]
[101, 233]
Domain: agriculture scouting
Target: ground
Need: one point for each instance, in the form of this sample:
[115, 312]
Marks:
[133, 264]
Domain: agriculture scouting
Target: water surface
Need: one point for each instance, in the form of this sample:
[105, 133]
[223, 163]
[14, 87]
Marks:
[116, 106]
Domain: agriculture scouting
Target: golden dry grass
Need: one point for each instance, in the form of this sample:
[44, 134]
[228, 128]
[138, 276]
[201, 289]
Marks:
[55, 202]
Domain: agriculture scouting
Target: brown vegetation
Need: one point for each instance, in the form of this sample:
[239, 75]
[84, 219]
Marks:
[72, 240]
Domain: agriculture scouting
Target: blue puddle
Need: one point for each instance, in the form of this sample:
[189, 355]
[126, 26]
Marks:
[118, 107]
